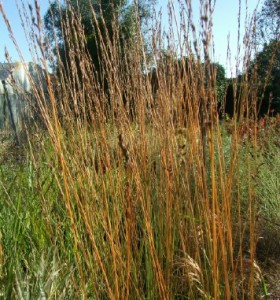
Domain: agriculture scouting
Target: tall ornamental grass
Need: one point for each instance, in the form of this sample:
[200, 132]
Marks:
[130, 186]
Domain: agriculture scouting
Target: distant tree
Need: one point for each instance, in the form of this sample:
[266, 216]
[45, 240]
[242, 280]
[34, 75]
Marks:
[264, 75]
[103, 26]
[109, 16]
[267, 64]
[231, 104]
[221, 81]
[269, 21]
[265, 67]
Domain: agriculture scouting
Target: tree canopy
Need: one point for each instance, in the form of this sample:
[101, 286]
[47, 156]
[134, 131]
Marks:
[267, 63]
[99, 19]
[269, 21]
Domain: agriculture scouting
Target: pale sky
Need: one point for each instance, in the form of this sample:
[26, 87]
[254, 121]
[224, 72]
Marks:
[224, 20]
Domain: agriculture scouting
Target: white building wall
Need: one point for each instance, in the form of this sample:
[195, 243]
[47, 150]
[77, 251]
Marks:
[15, 109]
